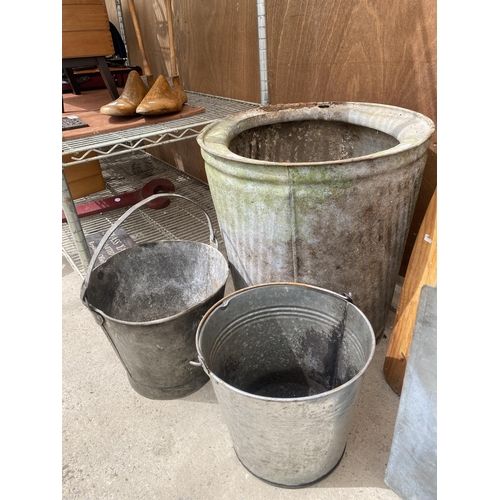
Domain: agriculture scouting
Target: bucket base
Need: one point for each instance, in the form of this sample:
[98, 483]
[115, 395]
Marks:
[293, 487]
[177, 392]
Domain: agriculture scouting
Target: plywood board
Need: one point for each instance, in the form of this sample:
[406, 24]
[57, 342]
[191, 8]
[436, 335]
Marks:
[217, 47]
[353, 51]
[216, 44]
[86, 107]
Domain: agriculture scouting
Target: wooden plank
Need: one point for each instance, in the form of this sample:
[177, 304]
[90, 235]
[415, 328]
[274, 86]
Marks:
[84, 2]
[85, 30]
[422, 270]
[429, 182]
[102, 123]
[84, 18]
[86, 107]
[87, 44]
[85, 178]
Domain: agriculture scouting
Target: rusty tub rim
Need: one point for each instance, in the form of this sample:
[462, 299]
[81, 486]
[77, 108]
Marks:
[410, 128]
[321, 395]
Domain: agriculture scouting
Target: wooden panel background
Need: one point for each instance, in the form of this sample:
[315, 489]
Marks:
[318, 50]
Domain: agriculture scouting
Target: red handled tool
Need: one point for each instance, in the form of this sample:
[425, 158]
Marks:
[127, 199]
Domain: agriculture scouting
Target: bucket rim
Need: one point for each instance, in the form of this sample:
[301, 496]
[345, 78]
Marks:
[220, 381]
[212, 249]
[410, 128]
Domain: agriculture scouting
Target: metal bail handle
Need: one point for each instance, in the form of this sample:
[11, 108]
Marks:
[111, 230]
[200, 362]
[347, 296]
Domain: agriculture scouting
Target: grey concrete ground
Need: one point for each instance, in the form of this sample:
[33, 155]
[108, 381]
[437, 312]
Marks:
[119, 445]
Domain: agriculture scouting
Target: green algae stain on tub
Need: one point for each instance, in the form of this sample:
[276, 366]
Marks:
[321, 194]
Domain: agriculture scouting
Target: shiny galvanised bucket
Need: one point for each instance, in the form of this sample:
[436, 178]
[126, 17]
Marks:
[286, 361]
[149, 299]
[319, 193]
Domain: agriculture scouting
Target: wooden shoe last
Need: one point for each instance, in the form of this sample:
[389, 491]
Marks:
[133, 93]
[160, 99]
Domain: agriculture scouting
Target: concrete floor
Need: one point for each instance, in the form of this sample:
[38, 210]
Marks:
[119, 445]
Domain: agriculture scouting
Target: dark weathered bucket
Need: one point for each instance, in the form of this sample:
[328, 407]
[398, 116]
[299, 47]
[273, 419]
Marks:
[286, 361]
[319, 193]
[149, 300]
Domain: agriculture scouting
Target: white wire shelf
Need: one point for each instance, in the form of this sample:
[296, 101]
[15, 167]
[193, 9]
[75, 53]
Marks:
[109, 144]
[179, 221]
[112, 144]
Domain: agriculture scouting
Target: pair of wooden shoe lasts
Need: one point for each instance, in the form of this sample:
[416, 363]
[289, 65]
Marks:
[160, 99]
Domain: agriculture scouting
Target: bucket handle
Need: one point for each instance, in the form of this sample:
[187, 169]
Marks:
[110, 231]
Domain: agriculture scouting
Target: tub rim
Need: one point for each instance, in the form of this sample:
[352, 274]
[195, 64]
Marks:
[313, 397]
[410, 128]
[216, 252]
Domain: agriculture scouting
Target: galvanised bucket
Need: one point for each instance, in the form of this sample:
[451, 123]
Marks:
[286, 361]
[319, 193]
[149, 299]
